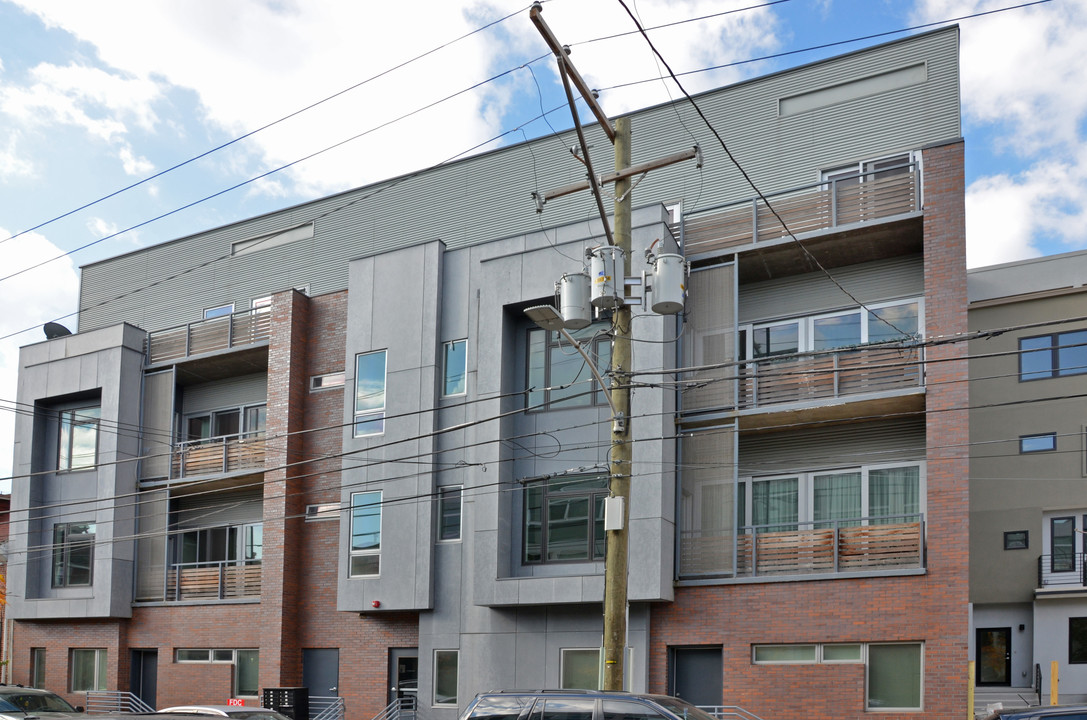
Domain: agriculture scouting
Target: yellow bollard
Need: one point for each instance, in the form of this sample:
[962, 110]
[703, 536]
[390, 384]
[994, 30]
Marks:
[970, 690]
[1054, 697]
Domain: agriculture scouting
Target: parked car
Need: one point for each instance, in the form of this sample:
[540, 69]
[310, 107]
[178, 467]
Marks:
[580, 705]
[235, 712]
[16, 702]
[1041, 712]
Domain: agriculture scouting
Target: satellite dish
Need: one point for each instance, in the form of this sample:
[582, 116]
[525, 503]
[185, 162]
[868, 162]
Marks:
[55, 330]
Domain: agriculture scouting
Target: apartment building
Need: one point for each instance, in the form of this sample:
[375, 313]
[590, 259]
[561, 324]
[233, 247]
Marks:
[1028, 504]
[326, 448]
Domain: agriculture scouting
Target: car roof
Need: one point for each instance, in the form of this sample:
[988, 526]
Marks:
[1023, 713]
[24, 690]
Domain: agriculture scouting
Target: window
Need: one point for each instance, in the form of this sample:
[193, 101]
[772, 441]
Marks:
[327, 382]
[807, 654]
[580, 669]
[894, 677]
[365, 534]
[78, 438]
[1077, 640]
[455, 368]
[247, 422]
[88, 670]
[1045, 442]
[869, 170]
[445, 676]
[241, 544]
[1055, 355]
[564, 519]
[833, 498]
[322, 511]
[261, 304]
[449, 513]
[219, 311]
[73, 554]
[370, 393]
[246, 666]
[37, 667]
[879, 323]
[558, 376]
[1062, 541]
[1016, 540]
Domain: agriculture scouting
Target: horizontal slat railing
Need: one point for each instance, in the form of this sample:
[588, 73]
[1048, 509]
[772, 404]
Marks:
[206, 336]
[1069, 569]
[229, 453]
[111, 701]
[822, 206]
[212, 581]
[858, 545]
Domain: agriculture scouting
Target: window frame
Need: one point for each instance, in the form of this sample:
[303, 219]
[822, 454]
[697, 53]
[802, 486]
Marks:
[329, 381]
[218, 311]
[90, 417]
[1055, 369]
[564, 653]
[367, 552]
[63, 547]
[1077, 647]
[1053, 566]
[592, 495]
[456, 678]
[371, 417]
[100, 669]
[445, 499]
[37, 667]
[461, 386]
[1010, 540]
[221, 656]
[244, 414]
[868, 678]
[1025, 447]
[540, 375]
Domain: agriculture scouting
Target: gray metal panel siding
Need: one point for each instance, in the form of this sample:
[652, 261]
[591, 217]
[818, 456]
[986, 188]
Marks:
[233, 392]
[158, 422]
[812, 293]
[215, 509]
[487, 197]
[838, 446]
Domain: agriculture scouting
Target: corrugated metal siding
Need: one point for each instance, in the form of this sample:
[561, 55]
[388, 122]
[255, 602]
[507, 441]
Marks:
[233, 392]
[836, 446]
[487, 197]
[158, 422]
[226, 508]
[815, 292]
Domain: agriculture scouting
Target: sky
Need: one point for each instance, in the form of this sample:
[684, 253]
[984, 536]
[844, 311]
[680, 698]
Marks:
[125, 123]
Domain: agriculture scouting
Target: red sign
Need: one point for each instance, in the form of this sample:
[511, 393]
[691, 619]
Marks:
[235, 701]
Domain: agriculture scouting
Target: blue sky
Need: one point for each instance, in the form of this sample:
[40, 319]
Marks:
[98, 96]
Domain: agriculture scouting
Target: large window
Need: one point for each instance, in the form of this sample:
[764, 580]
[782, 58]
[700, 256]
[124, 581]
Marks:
[564, 519]
[446, 671]
[365, 534]
[449, 513]
[245, 678]
[232, 544]
[894, 676]
[249, 422]
[879, 322]
[37, 667]
[1077, 640]
[558, 376]
[580, 669]
[73, 554]
[88, 670]
[78, 438]
[455, 368]
[370, 393]
[825, 499]
[1055, 355]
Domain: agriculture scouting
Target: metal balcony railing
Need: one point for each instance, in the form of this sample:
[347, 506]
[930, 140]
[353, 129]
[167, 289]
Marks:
[865, 197]
[247, 327]
[1062, 569]
[209, 456]
[799, 378]
[220, 580]
[809, 548]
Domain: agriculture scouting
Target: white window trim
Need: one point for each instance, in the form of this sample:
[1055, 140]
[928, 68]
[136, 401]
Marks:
[219, 314]
[329, 381]
[445, 368]
[99, 682]
[865, 166]
[371, 414]
[600, 667]
[320, 512]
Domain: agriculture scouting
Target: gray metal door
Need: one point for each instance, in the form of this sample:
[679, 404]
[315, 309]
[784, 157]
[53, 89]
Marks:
[321, 671]
[695, 674]
[143, 676]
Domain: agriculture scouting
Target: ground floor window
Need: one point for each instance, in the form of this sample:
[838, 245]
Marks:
[37, 667]
[446, 670]
[88, 669]
[245, 678]
[1077, 640]
[580, 669]
[894, 677]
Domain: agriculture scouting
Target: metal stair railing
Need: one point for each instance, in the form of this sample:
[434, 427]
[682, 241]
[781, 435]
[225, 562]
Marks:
[399, 709]
[112, 701]
[326, 708]
[729, 712]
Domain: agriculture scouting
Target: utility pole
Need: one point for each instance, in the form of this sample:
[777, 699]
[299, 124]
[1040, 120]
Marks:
[616, 558]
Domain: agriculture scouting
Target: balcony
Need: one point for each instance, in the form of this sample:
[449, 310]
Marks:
[245, 328]
[797, 379]
[829, 205]
[218, 455]
[223, 580]
[805, 549]
[1063, 572]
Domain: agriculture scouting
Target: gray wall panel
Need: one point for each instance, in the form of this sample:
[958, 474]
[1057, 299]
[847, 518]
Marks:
[229, 393]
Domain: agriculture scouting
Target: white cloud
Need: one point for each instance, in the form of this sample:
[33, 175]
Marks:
[31, 299]
[134, 165]
[11, 163]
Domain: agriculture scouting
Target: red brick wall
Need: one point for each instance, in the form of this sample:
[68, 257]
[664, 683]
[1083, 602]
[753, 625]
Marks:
[931, 608]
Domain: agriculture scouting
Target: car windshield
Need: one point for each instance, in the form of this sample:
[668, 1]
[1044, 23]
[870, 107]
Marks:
[682, 708]
[27, 702]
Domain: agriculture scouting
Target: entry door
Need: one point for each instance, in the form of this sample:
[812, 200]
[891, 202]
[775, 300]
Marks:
[994, 656]
[695, 674]
[321, 671]
[143, 676]
[404, 674]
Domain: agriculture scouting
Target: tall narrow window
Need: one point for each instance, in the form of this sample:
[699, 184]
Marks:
[73, 554]
[894, 677]
[37, 667]
[247, 673]
[445, 676]
[1062, 543]
[365, 534]
[78, 438]
[370, 393]
[449, 513]
[88, 670]
[455, 368]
